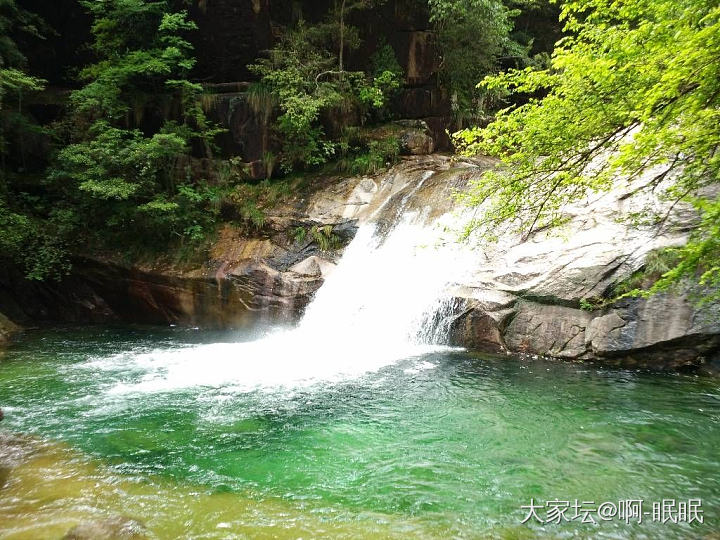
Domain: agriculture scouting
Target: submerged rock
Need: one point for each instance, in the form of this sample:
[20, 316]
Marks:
[112, 528]
[15, 449]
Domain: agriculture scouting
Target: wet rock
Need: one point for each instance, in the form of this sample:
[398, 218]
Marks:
[479, 330]
[665, 332]
[548, 275]
[522, 295]
[7, 329]
[313, 267]
[112, 528]
[422, 54]
[668, 329]
[549, 330]
[15, 450]
[424, 102]
[415, 138]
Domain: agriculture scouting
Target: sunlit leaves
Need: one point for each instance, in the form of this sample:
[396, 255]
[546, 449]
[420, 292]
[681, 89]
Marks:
[634, 84]
[472, 35]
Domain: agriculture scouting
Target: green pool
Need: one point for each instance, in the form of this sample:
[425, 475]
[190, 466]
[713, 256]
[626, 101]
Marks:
[201, 435]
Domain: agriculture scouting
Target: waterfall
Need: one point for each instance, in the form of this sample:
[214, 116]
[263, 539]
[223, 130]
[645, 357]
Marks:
[387, 300]
[387, 290]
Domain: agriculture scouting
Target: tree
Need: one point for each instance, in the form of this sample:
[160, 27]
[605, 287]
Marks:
[342, 10]
[291, 77]
[473, 35]
[305, 76]
[634, 85]
[14, 79]
[25, 239]
[131, 125]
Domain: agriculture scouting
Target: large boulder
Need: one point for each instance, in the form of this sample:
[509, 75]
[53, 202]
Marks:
[667, 330]
[550, 330]
[415, 138]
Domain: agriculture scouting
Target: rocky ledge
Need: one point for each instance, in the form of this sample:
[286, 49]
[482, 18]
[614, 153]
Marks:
[533, 295]
[248, 276]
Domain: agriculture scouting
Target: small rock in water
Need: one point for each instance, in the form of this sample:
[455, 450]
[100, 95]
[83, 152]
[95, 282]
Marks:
[113, 528]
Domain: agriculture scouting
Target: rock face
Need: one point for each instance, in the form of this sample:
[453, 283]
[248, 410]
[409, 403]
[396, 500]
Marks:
[248, 278]
[527, 295]
[521, 295]
[416, 139]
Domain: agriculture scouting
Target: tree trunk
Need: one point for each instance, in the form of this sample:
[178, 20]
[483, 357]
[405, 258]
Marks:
[342, 37]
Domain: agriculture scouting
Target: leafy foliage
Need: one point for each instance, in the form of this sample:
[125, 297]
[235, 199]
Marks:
[322, 236]
[634, 87]
[299, 73]
[21, 237]
[290, 73]
[251, 201]
[371, 156]
[472, 36]
[124, 174]
[14, 79]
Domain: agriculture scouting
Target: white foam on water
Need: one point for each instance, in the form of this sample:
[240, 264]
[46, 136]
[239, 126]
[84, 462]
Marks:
[375, 309]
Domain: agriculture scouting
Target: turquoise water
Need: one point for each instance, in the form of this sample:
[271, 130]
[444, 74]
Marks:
[448, 444]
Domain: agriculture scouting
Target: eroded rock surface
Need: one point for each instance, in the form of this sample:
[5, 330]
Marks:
[527, 295]
[248, 277]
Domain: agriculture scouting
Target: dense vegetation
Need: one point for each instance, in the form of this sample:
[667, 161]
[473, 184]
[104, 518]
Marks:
[19, 237]
[305, 75]
[633, 91]
[112, 179]
[474, 36]
[117, 168]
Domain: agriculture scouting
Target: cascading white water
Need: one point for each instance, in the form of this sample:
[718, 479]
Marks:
[382, 303]
[383, 291]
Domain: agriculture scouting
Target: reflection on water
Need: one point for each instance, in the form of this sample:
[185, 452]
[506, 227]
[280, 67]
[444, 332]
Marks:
[444, 444]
